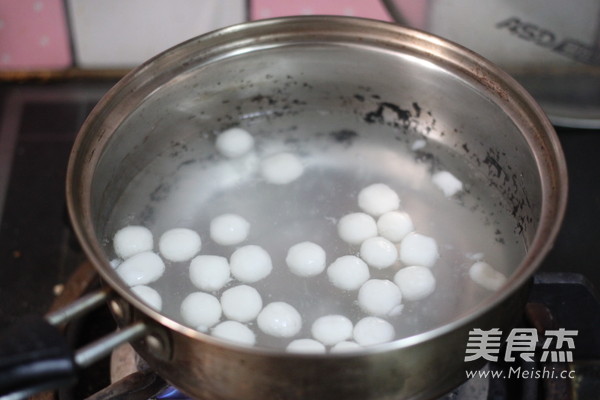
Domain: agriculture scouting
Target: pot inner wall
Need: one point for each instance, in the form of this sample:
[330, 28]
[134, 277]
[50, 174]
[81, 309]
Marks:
[352, 114]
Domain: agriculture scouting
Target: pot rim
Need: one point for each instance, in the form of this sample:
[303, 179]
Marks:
[506, 92]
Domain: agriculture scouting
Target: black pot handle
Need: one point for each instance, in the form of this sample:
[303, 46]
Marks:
[35, 356]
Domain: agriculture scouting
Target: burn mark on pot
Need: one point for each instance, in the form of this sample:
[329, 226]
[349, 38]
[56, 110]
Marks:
[517, 207]
[259, 98]
[147, 215]
[465, 147]
[499, 236]
[160, 193]
[519, 228]
[359, 97]
[417, 109]
[289, 84]
[377, 116]
[177, 148]
[345, 136]
[492, 162]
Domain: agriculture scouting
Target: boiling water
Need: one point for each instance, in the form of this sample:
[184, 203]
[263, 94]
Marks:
[187, 186]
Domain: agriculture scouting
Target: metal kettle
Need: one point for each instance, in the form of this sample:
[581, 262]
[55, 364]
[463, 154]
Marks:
[552, 47]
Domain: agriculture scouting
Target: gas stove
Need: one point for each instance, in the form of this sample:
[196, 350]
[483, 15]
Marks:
[38, 251]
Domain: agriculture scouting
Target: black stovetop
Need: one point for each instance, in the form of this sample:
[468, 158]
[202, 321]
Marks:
[38, 123]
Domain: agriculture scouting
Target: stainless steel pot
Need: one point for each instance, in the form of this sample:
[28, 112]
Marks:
[307, 82]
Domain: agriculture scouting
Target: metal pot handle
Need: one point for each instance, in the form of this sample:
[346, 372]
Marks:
[35, 356]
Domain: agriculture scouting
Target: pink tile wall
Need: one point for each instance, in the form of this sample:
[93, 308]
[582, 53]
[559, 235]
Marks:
[33, 35]
[260, 9]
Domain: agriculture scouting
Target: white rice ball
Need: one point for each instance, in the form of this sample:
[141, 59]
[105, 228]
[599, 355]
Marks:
[486, 276]
[377, 199]
[379, 297]
[250, 264]
[279, 319]
[209, 273]
[179, 244]
[234, 142]
[395, 225]
[141, 269]
[332, 329]
[417, 249]
[308, 346]
[355, 228]
[132, 240]
[201, 310]
[148, 296]
[378, 252]
[415, 282]
[418, 144]
[345, 347]
[348, 272]
[371, 331]
[241, 303]
[235, 332]
[281, 169]
[306, 259]
[229, 229]
[447, 183]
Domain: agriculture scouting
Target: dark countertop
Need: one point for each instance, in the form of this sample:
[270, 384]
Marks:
[38, 252]
[577, 248]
